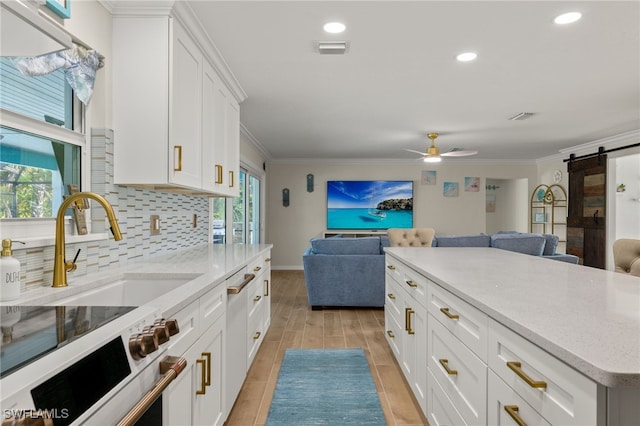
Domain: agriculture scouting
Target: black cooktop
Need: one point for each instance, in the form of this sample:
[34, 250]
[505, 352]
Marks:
[30, 332]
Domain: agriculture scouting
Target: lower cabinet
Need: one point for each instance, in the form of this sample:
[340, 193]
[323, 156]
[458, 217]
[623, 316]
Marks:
[196, 396]
[465, 368]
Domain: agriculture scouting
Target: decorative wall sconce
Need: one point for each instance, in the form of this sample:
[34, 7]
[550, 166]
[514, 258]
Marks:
[285, 197]
[309, 182]
[491, 187]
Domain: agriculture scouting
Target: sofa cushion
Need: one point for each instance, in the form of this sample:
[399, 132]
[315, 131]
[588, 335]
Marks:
[532, 244]
[364, 245]
[550, 245]
[479, 240]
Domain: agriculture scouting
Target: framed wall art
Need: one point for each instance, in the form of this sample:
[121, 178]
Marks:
[62, 8]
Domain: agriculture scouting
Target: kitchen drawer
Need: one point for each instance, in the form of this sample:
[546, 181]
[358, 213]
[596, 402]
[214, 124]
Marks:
[463, 320]
[255, 334]
[190, 329]
[393, 268]
[440, 410]
[465, 382]
[500, 396]
[393, 333]
[255, 298]
[212, 305]
[259, 265]
[415, 285]
[564, 396]
[393, 299]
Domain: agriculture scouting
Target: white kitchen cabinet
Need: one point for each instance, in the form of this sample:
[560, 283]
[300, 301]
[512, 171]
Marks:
[196, 396]
[406, 325]
[167, 107]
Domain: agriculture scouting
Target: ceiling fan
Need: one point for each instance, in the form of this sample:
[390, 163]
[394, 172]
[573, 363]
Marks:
[433, 154]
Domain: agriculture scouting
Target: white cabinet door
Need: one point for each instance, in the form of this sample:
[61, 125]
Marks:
[414, 350]
[185, 109]
[210, 83]
[208, 392]
[232, 144]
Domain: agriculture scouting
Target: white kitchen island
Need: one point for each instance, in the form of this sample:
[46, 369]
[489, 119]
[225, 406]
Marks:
[492, 337]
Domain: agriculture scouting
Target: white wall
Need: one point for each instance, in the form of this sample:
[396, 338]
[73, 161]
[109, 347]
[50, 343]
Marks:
[290, 228]
[627, 203]
[511, 205]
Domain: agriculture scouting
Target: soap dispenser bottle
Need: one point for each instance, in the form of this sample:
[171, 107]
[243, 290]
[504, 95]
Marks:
[9, 273]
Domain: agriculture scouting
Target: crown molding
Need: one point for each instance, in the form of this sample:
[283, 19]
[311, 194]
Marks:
[609, 142]
[255, 142]
[383, 161]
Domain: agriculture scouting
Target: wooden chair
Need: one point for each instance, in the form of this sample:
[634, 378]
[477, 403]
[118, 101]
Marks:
[626, 256]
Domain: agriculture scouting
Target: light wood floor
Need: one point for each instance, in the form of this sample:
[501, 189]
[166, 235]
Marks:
[295, 325]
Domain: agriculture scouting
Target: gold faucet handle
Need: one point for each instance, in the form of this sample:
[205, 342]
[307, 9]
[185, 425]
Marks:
[70, 265]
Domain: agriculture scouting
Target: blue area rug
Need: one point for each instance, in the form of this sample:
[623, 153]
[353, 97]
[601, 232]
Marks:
[325, 387]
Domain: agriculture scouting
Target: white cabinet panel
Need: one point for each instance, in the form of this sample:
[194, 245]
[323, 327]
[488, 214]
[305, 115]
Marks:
[506, 408]
[461, 374]
[440, 410]
[559, 393]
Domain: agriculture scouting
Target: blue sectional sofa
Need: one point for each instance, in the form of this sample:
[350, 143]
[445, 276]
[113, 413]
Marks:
[345, 271]
[349, 272]
[543, 245]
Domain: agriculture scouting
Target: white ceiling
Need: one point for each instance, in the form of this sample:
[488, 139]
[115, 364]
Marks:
[400, 80]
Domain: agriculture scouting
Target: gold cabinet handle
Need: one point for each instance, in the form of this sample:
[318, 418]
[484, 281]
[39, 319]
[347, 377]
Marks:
[411, 284]
[266, 288]
[449, 314]
[391, 267]
[512, 410]
[179, 149]
[392, 296]
[268, 259]
[257, 268]
[257, 335]
[207, 355]
[407, 320]
[231, 179]
[517, 368]
[445, 364]
[203, 377]
[257, 298]
[218, 174]
[391, 335]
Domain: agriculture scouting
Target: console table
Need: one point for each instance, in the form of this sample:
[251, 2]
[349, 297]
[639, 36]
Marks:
[487, 336]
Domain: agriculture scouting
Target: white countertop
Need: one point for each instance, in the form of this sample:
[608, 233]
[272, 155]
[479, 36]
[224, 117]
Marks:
[587, 317]
[201, 266]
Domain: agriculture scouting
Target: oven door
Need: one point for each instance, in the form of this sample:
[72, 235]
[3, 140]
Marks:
[145, 391]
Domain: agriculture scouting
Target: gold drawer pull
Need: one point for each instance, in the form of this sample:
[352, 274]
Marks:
[411, 284]
[512, 410]
[257, 298]
[179, 168]
[207, 355]
[517, 368]
[257, 268]
[218, 174]
[268, 259]
[231, 179]
[391, 267]
[445, 364]
[391, 335]
[449, 314]
[257, 335]
[392, 296]
[407, 320]
[266, 288]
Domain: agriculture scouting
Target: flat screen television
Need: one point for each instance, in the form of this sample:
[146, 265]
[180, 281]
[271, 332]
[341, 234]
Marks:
[369, 204]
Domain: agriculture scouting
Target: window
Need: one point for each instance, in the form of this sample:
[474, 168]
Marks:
[245, 211]
[39, 150]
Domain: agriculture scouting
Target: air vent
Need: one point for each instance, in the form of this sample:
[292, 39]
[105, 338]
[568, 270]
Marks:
[521, 116]
[332, 47]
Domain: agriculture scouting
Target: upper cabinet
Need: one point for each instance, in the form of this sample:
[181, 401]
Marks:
[176, 122]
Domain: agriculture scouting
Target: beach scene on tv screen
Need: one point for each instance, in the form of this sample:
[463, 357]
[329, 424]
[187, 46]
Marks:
[369, 204]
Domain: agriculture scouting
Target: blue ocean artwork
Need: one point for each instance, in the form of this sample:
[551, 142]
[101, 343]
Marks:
[369, 205]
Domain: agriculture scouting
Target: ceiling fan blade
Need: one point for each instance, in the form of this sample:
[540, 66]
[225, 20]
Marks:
[417, 152]
[458, 152]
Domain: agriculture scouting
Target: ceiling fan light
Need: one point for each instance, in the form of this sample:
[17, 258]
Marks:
[432, 159]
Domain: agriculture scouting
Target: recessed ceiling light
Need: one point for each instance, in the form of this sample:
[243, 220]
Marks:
[334, 27]
[466, 56]
[567, 18]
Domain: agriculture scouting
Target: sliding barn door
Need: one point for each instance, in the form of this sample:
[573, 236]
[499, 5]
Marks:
[586, 236]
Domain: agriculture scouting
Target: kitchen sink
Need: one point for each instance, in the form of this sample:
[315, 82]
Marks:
[125, 291]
